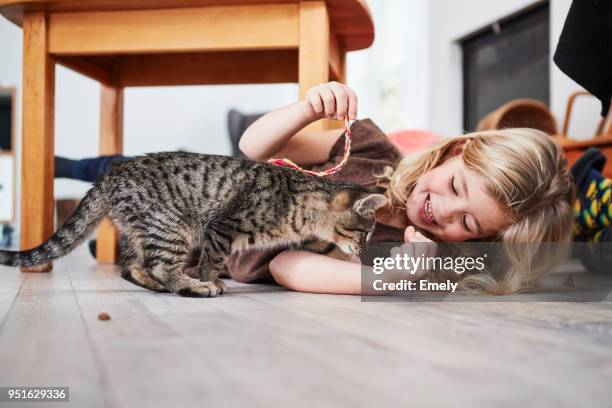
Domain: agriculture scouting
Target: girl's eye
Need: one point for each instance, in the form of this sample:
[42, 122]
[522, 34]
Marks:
[452, 185]
[465, 224]
[454, 190]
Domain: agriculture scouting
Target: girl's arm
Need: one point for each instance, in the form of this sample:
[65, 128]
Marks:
[279, 133]
[304, 271]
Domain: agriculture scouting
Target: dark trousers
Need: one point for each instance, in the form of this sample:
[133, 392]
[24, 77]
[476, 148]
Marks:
[92, 169]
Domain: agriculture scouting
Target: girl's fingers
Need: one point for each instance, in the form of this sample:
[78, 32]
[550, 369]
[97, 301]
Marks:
[412, 235]
[341, 106]
[429, 247]
[341, 100]
[317, 104]
[329, 101]
[333, 100]
[422, 237]
[408, 250]
[409, 234]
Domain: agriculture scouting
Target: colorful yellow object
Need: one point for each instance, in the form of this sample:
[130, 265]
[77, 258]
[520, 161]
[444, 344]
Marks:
[606, 195]
[595, 205]
[591, 189]
[593, 208]
[589, 220]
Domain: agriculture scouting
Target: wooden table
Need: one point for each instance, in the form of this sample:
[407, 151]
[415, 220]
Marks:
[124, 43]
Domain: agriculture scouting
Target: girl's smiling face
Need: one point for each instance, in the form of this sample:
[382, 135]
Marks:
[451, 203]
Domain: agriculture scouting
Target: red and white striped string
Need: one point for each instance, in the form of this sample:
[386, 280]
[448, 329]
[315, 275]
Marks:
[331, 170]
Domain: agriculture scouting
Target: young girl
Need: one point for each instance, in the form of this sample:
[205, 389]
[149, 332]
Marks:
[510, 186]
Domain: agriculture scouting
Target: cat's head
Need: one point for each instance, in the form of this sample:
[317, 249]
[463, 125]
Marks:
[350, 219]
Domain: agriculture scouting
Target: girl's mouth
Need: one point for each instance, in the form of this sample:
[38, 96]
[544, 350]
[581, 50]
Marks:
[427, 212]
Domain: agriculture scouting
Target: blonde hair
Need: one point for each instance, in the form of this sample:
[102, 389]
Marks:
[525, 171]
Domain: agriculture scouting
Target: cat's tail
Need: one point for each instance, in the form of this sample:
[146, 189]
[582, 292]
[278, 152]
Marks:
[80, 225]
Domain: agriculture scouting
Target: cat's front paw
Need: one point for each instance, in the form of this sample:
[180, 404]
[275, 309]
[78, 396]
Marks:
[221, 286]
[201, 289]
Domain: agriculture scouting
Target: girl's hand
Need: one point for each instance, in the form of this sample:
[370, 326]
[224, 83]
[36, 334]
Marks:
[332, 100]
[412, 235]
[422, 245]
[416, 245]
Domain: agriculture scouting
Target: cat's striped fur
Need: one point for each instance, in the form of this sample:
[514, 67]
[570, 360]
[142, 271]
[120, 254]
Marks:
[176, 209]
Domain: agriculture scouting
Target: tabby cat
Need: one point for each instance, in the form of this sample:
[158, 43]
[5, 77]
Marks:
[176, 209]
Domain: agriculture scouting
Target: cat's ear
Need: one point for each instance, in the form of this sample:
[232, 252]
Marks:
[368, 205]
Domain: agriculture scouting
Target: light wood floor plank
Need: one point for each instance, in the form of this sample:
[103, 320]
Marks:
[146, 362]
[11, 281]
[43, 341]
[274, 357]
[440, 341]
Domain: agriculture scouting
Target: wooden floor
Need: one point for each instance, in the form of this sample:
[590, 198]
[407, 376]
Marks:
[261, 346]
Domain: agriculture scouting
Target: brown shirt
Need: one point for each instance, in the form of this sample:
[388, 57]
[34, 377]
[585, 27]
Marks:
[371, 151]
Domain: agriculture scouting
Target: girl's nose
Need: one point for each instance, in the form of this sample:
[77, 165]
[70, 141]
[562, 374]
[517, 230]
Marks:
[450, 209]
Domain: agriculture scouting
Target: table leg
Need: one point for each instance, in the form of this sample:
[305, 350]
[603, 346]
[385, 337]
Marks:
[342, 73]
[313, 57]
[111, 142]
[37, 166]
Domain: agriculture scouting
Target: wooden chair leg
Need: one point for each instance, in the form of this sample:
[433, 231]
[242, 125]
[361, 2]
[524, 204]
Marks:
[314, 49]
[111, 142]
[337, 71]
[37, 136]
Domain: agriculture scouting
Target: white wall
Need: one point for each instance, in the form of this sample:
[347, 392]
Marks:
[390, 77]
